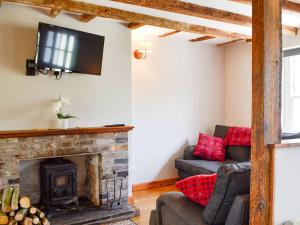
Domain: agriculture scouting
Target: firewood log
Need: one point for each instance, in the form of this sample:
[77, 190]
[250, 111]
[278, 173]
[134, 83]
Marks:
[12, 222]
[3, 218]
[35, 219]
[1, 196]
[24, 202]
[45, 221]
[26, 221]
[32, 210]
[6, 199]
[40, 214]
[15, 199]
[21, 214]
[12, 214]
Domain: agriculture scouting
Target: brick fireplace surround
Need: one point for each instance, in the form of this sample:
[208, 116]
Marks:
[106, 150]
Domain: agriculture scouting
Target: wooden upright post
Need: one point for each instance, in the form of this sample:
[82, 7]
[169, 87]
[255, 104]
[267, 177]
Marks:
[266, 107]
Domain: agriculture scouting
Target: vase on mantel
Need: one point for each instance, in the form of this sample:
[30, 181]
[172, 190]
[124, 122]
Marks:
[63, 123]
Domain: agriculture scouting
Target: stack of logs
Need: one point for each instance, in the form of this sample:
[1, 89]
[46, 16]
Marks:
[17, 210]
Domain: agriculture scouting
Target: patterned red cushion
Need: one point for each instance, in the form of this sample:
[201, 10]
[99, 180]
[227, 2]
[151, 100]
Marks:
[238, 136]
[210, 148]
[198, 188]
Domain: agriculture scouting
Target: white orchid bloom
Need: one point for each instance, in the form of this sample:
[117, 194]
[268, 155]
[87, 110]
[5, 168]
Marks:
[57, 106]
[65, 101]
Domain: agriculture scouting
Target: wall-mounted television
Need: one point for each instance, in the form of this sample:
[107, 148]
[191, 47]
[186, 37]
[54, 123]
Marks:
[68, 50]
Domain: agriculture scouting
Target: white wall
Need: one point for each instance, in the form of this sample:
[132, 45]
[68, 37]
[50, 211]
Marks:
[178, 91]
[238, 84]
[238, 80]
[287, 185]
[26, 102]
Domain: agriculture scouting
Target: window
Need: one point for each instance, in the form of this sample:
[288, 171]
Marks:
[291, 91]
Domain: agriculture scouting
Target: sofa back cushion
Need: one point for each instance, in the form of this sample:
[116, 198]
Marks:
[236, 153]
[232, 180]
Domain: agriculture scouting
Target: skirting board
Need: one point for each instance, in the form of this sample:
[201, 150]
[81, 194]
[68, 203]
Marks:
[154, 184]
[130, 200]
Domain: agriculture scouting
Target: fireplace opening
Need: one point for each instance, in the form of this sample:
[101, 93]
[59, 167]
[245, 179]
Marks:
[58, 184]
[84, 188]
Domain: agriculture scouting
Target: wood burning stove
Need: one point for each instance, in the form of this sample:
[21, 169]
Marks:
[58, 184]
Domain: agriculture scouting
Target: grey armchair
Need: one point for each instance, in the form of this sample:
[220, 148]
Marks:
[229, 204]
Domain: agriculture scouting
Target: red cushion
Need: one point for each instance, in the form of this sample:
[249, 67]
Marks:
[198, 188]
[238, 136]
[210, 148]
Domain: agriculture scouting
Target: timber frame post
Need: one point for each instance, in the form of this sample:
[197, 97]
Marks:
[266, 106]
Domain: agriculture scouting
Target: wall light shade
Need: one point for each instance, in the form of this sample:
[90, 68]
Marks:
[143, 50]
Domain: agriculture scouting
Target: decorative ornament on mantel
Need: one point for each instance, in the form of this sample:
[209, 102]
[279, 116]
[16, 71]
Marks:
[63, 119]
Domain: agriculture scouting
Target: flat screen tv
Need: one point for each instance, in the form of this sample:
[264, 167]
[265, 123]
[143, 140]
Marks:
[64, 49]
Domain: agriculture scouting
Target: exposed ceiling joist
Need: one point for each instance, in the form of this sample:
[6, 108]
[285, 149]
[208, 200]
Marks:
[203, 38]
[286, 5]
[196, 10]
[230, 42]
[133, 26]
[169, 33]
[291, 6]
[123, 15]
[85, 18]
[54, 12]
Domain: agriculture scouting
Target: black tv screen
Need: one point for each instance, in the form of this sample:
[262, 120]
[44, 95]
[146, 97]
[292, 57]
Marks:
[69, 50]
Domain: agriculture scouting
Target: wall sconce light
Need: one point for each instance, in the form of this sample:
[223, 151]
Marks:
[144, 49]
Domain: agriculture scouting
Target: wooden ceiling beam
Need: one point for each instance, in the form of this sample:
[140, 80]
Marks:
[230, 42]
[123, 15]
[286, 5]
[169, 33]
[133, 26]
[85, 18]
[195, 10]
[203, 38]
[54, 12]
[291, 6]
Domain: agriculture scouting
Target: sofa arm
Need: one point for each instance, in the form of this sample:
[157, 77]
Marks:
[188, 153]
[239, 212]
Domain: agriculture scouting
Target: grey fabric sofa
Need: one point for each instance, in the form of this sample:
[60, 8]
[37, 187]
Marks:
[229, 204]
[191, 165]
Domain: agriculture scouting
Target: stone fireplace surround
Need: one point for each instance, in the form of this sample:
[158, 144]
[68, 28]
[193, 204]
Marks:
[106, 150]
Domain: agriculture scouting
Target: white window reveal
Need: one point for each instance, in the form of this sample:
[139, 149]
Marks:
[291, 91]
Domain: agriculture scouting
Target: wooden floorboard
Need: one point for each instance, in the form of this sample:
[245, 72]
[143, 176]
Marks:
[146, 202]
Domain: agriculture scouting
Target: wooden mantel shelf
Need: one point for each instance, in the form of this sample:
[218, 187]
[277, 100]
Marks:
[71, 131]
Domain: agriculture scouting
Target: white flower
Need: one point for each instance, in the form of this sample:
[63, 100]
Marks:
[60, 103]
[57, 106]
[65, 101]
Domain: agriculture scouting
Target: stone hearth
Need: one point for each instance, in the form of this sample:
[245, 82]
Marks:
[105, 148]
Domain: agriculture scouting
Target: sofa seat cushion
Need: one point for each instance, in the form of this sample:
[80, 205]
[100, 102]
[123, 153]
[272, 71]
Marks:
[195, 167]
[175, 209]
